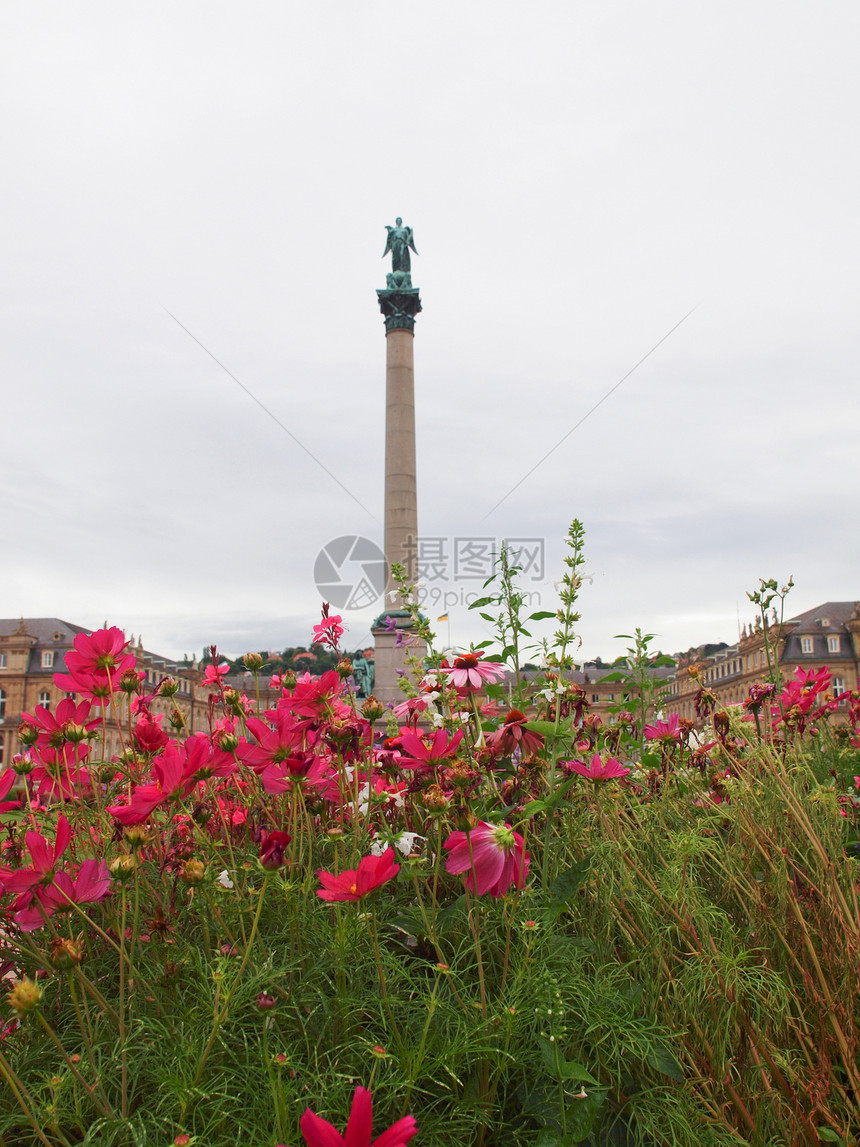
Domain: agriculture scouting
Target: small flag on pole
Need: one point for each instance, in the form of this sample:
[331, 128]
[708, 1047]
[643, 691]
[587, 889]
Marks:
[444, 617]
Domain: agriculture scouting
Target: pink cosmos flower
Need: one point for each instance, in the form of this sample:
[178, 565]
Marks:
[315, 697]
[598, 770]
[329, 631]
[91, 883]
[319, 1132]
[45, 858]
[99, 650]
[667, 732]
[171, 782]
[69, 722]
[60, 773]
[96, 664]
[410, 709]
[492, 854]
[7, 780]
[149, 735]
[417, 752]
[215, 674]
[354, 884]
[470, 672]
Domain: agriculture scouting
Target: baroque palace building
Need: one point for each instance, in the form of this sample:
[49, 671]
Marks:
[32, 650]
[828, 635]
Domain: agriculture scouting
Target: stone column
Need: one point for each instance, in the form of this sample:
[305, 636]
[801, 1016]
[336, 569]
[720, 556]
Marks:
[399, 305]
[401, 504]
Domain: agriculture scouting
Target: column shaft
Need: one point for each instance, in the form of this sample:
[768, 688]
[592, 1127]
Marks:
[401, 504]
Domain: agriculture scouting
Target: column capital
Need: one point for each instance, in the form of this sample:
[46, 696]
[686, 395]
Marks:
[399, 306]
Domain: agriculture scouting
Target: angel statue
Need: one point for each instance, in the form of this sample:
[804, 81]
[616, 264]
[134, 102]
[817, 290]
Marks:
[400, 239]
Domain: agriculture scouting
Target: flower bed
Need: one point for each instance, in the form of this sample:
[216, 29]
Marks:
[509, 923]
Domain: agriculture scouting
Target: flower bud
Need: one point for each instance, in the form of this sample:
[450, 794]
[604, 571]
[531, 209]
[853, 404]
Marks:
[66, 954]
[434, 800]
[130, 681]
[229, 742]
[123, 867]
[193, 871]
[344, 668]
[23, 764]
[265, 1002]
[272, 848]
[288, 679]
[104, 771]
[169, 687]
[27, 735]
[74, 733]
[176, 719]
[252, 662]
[25, 995]
[372, 708]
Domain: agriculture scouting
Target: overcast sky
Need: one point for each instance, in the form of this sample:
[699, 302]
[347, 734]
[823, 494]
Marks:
[579, 176]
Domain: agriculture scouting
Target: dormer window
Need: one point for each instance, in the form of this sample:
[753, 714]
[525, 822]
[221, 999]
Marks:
[806, 645]
[832, 643]
[48, 659]
[58, 637]
[825, 622]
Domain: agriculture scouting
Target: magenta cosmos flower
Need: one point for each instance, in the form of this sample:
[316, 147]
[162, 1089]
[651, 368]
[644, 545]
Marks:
[355, 883]
[471, 672]
[598, 770]
[320, 1133]
[492, 855]
[668, 732]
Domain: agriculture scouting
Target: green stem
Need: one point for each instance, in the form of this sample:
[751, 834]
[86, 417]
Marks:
[222, 1011]
[103, 1108]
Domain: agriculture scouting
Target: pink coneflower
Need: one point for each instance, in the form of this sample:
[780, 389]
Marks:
[514, 735]
[319, 1132]
[598, 770]
[492, 854]
[470, 671]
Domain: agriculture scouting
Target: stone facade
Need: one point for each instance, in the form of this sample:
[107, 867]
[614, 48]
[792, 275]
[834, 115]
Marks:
[32, 650]
[828, 635]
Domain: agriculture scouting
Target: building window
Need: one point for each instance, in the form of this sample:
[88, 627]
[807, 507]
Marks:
[825, 622]
[806, 645]
[610, 696]
[45, 698]
[837, 686]
[2, 660]
[595, 697]
[832, 644]
[2, 750]
[2, 703]
[47, 659]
